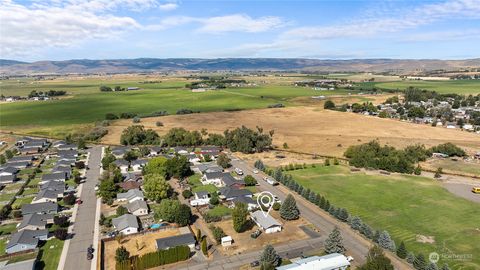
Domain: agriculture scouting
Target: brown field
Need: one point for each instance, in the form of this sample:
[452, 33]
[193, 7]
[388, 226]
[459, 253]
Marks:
[310, 129]
[146, 244]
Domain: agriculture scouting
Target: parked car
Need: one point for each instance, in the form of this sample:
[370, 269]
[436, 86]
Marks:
[255, 171]
[255, 234]
[272, 182]
[254, 264]
[89, 256]
[90, 249]
[239, 171]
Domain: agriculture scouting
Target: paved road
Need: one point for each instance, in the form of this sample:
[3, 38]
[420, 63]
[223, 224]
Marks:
[356, 245]
[463, 190]
[84, 225]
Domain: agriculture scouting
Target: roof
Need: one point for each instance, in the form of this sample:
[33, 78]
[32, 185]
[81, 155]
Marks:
[264, 221]
[230, 192]
[156, 149]
[7, 178]
[208, 167]
[26, 237]
[10, 169]
[62, 168]
[53, 185]
[228, 180]
[120, 150]
[67, 152]
[139, 162]
[21, 158]
[23, 265]
[134, 206]
[243, 199]
[65, 162]
[48, 194]
[132, 193]
[34, 220]
[214, 175]
[54, 176]
[130, 185]
[201, 193]
[174, 241]
[125, 221]
[327, 262]
[67, 146]
[45, 207]
[17, 164]
[120, 162]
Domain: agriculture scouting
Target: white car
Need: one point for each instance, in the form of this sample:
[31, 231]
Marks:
[350, 258]
[239, 171]
[272, 182]
[255, 171]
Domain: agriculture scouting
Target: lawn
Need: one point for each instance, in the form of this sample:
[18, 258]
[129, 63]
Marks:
[3, 244]
[30, 191]
[13, 187]
[456, 166]
[463, 87]
[253, 189]
[406, 206]
[197, 186]
[5, 197]
[49, 257]
[17, 204]
[220, 211]
[7, 229]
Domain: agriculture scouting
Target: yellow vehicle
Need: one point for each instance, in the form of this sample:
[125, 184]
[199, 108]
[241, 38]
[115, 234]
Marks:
[476, 190]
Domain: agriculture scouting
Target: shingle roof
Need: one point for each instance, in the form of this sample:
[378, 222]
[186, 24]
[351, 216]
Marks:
[26, 237]
[48, 194]
[7, 178]
[17, 164]
[134, 206]
[228, 180]
[125, 221]
[174, 241]
[46, 207]
[53, 185]
[35, 220]
[132, 193]
[139, 162]
[54, 176]
[230, 192]
[201, 194]
[64, 153]
[120, 162]
[21, 158]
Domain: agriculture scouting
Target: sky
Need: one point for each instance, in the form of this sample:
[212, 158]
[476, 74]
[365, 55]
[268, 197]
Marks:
[119, 29]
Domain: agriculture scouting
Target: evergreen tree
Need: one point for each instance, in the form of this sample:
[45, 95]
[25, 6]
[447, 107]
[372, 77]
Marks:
[199, 235]
[376, 236]
[410, 257]
[356, 223]
[432, 266]
[239, 216]
[204, 246]
[445, 267]
[367, 231]
[376, 260]
[334, 242]
[402, 251]
[420, 263]
[342, 214]
[327, 205]
[315, 198]
[3, 160]
[332, 210]
[269, 256]
[122, 254]
[323, 202]
[386, 242]
[300, 189]
[289, 210]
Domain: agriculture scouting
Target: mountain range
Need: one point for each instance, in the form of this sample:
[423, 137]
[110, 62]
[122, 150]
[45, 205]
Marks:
[86, 66]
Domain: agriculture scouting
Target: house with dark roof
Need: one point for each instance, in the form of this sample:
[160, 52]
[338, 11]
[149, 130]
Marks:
[35, 222]
[63, 169]
[174, 241]
[54, 185]
[122, 164]
[18, 164]
[126, 224]
[230, 193]
[8, 179]
[155, 151]
[131, 196]
[221, 179]
[40, 208]
[59, 176]
[9, 171]
[67, 153]
[137, 165]
[119, 152]
[21, 158]
[137, 208]
[47, 195]
[65, 162]
[248, 201]
[69, 146]
[25, 240]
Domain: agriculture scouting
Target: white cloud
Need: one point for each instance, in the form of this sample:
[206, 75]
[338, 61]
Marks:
[444, 35]
[239, 23]
[168, 6]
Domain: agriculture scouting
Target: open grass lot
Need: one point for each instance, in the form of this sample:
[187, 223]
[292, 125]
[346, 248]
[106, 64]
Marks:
[17, 204]
[448, 165]
[462, 87]
[49, 257]
[406, 206]
[3, 244]
[220, 211]
[7, 229]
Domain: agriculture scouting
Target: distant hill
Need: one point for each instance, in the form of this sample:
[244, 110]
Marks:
[404, 66]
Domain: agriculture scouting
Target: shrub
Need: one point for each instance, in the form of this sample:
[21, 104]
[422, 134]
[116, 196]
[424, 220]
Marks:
[250, 180]
[136, 120]
[69, 199]
[17, 214]
[276, 206]
[110, 116]
[121, 211]
[187, 194]
[329, 105]
[61, 234]
[159, 124]
[122, 254]
[61, 221]
[218, 233]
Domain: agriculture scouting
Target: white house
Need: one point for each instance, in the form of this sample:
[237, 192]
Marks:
[227, 241]
[137, 165]
[334, 261]
[122, 165]
[201, 198]
[126, 224]
[266, 222]
[131, 196]
[137, 208]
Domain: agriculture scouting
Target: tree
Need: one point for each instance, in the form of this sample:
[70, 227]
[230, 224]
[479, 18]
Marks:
[250, 180]
[107, 159]
[122, 254]
[136, 134]
[285, 145]
[420, 263]
[334, 242]
[214, 199]
[223, 160]
[376, 260]
[61, 234]
[402, 251]
[445, 267]
[130, 156]
[187, 194]
[107, 190]
[183, 216]
[218, 233]
[156, 165]
[81, 143]
[121, 211]
[410, 258]
[198, 236]
[76, 177]
[155, 187]
[356, 223]
[167, 210]
[239, 217]
[69, 199]
[9, 154]
[417, 170]
[105, 88]
[289, 210]
[144, 151]
[432, 266]
[269, 256]
[3, 160]
[386, 242]
[178, 167]
[61, 221]
[329, 105]
[327, 162]
[438, 173]
[204, 246]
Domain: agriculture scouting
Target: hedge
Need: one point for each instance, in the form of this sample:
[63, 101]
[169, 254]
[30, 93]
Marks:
[154, 259]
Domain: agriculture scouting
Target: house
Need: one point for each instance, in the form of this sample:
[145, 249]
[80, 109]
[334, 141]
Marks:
[181, 150]
[439, 155]
[54, 185]
[18, 164]
[25, 240]
[59, 176]
[174, 241]
[64, 147]
[137, 165]
[211, 150]
[266, 222]
[451, 125]
[334, 261]
[35, 222]
[58, 143]
[230, 193]
[229, 181]
[132, 88]
[122, 164]
[201, 198]
[47, 195]
[65, 162]
[221, 179]
[119, 152]
[29, 150]
[7, 179]
[40, 208]
[207, 168]
[67, 170]
[249, 202]
[21, 265]
[137, 208]
[126, 224]
[67, 153]
[468, 127]
[8, 171]
[193, 158]
[128, 185]
[226, 241]
[131, 196]
[155, 151]
[21, 158]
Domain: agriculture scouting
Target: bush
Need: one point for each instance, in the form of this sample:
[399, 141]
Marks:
[17, 214]
[122, 254]
[276, 206]
[127, 115]
[136, 120]
[69, 199]
[209, 218]
[61, 234]
[110, 116]
[218, 233]
[250, 180]
[61, 221]
[121, 211]
[187, 194]
[448, 149]
[329, 105]
[159, 124]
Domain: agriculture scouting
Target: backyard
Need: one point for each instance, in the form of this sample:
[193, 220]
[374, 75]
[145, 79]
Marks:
[49, 254]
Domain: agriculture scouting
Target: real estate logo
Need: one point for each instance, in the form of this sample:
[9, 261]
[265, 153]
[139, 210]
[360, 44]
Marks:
[265, 201]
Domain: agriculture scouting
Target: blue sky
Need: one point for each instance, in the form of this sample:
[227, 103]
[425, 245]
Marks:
[106, 29]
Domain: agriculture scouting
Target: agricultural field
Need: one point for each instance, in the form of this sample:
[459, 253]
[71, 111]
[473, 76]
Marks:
[427, 217]
[461, 87]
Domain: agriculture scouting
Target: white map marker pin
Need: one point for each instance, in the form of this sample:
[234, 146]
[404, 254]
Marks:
[265, 200]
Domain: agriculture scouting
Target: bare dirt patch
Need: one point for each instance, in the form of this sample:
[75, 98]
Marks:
[425, 239]
[310, 129]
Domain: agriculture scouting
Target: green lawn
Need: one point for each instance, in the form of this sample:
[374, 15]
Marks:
[17, 204]
[253, 189]
[5, 197]
[49, 257]
[3, 244]
[197, 186]
[406, 206]
[459, 87]
[7, 229]
[220, 211]
[13, 187]
[30, 191]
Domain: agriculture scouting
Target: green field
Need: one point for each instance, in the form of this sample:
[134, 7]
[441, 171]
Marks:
[220, 211]
[462, 87]
[49, 257]
[405, 206]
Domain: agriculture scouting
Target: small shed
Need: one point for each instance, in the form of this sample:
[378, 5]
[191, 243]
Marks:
[227, 241]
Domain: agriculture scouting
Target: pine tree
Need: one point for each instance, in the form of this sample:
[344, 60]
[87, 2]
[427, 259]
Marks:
[334, 242]
[300, 189]
[3, 160]
[269, 256]
[420, 263]
[343, 215]
[376, 260]
[445, 267]
[315, 199]
[323, 202]
[204, 246]
[386, 242]
[199, 235]
[367, 231]
[410, 257]
[356, 223]
[327, 205]
[432, 266]
[289, 210]
[402, 251]
[332, 210]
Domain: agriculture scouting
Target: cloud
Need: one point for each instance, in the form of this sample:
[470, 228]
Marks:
[28, 29]
[168, 6]
[443, 36]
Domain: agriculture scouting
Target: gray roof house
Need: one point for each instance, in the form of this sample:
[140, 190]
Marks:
[29, 149]
[120, 151]
[40, 208]
[266, 222]
[137, 208]
[131, 195]
[21, 158]
[25, 240]
[6, 179]
[9, 171]
[175, 241]
[47, 195]
[18, 164]
[65, 162]
[229, 193]
[66, 147]
[35, 222]
[67, 153]
[58, 176]
[126, 224]
[53, 185]
[61, 168]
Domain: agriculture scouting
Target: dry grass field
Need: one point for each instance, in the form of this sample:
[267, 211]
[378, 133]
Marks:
[310, 129]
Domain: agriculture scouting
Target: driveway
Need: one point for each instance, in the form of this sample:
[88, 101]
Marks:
[356, 246]
[84, 225]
